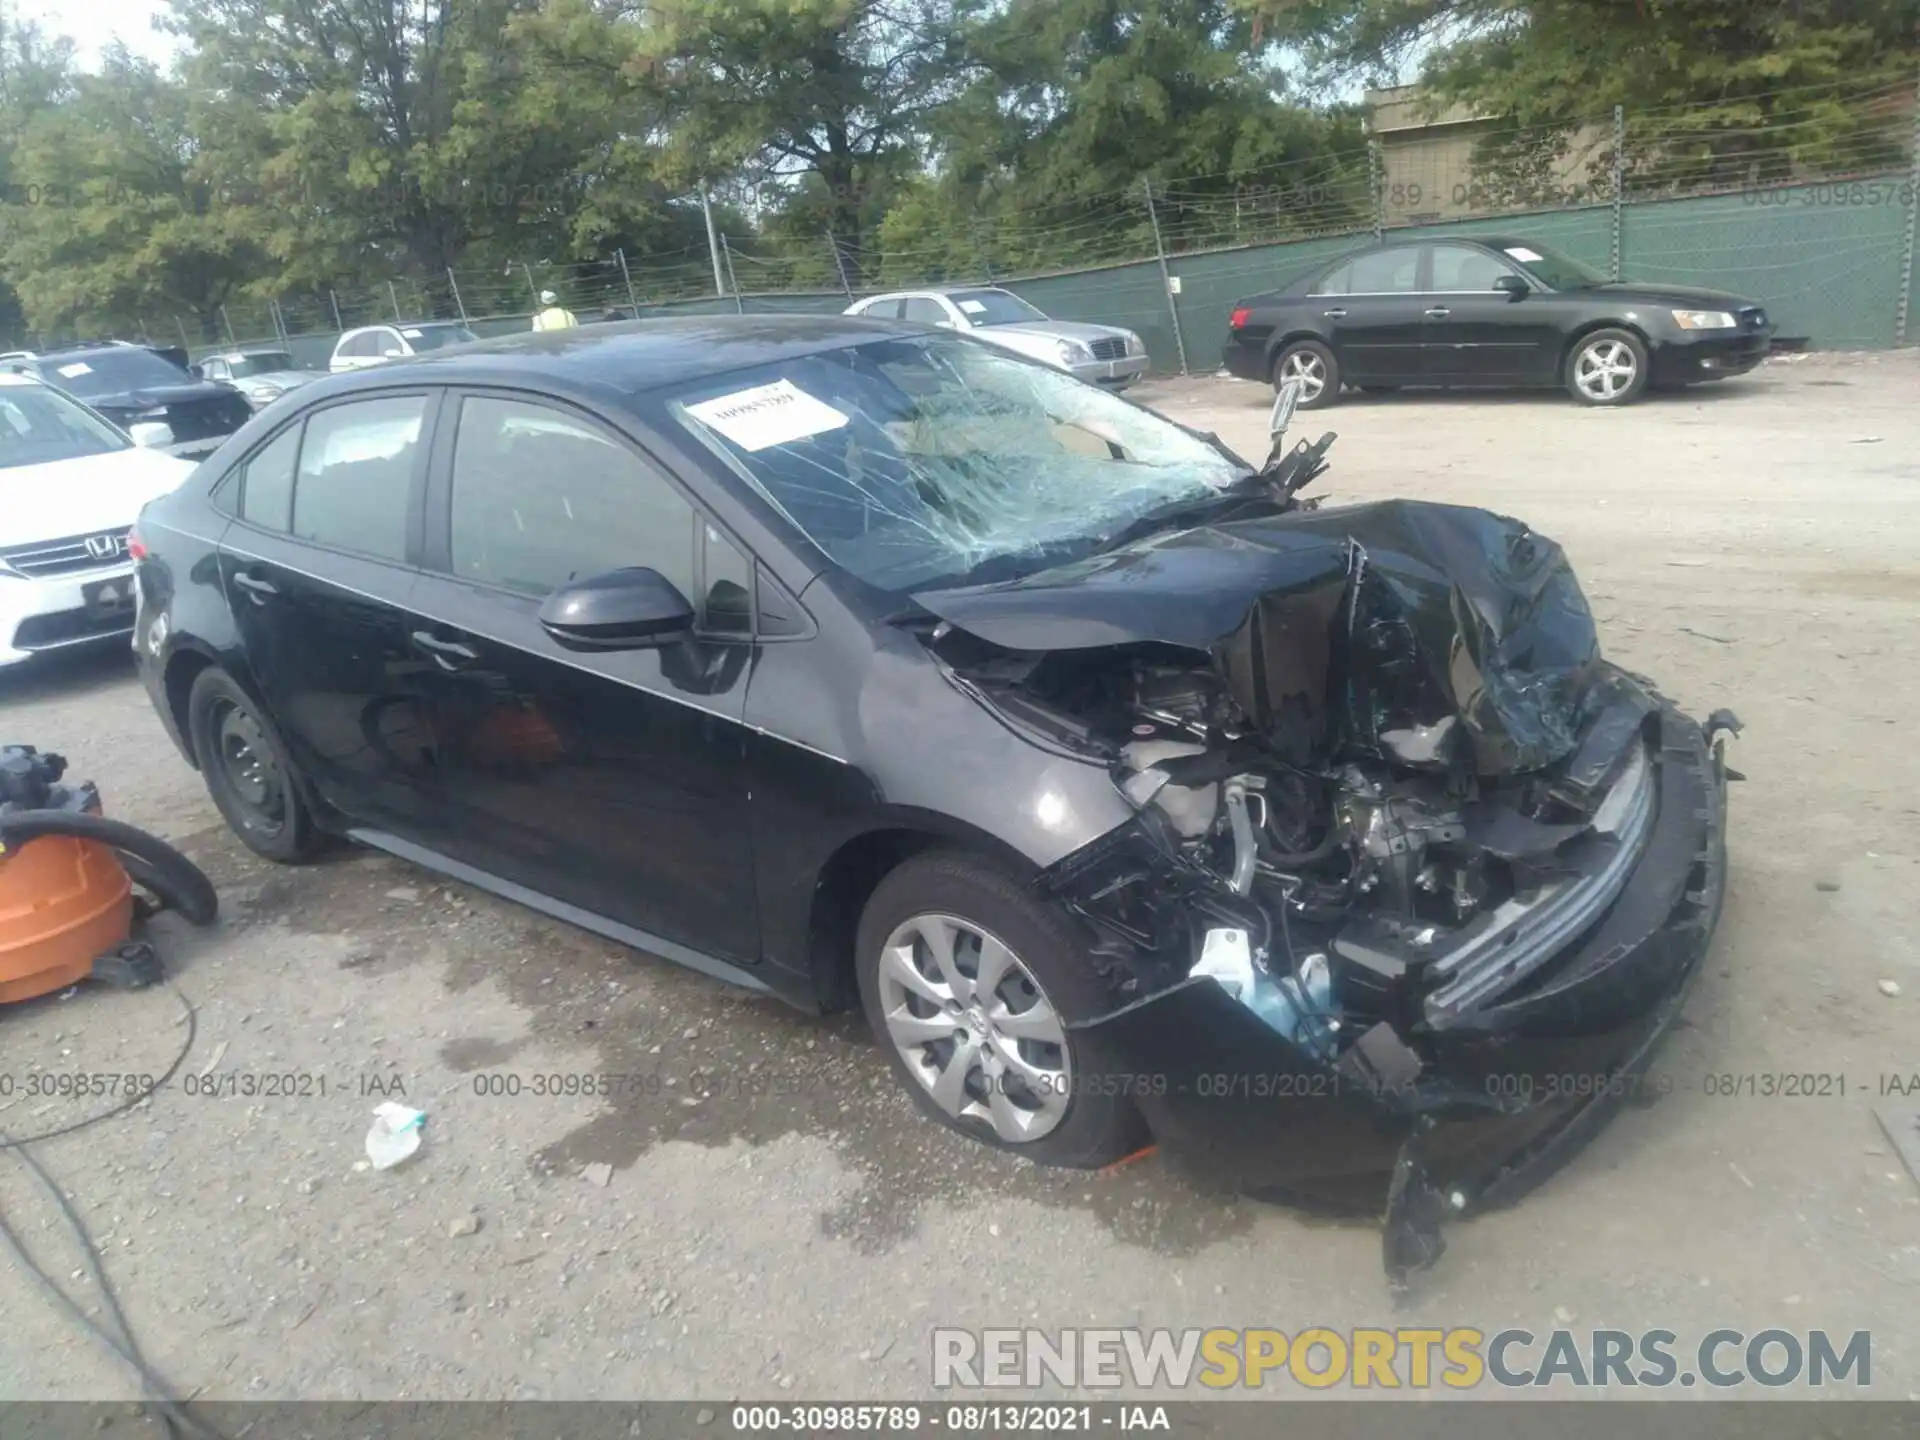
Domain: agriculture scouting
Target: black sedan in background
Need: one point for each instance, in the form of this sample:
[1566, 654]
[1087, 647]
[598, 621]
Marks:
[140, 390]
[863, 663]
[1488, 311]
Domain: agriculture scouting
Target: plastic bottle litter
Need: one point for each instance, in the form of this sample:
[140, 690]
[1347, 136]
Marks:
[395, 1134]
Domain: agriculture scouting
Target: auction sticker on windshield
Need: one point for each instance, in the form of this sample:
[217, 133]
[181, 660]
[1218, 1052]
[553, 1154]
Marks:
[767, 415]
[76, 370]
[1522, 254]
[973, 307]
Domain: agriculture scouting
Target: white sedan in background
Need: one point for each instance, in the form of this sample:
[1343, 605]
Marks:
[74, 484]
[1102, 354]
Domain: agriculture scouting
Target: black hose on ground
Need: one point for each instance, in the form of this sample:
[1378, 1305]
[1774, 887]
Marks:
[148, 859]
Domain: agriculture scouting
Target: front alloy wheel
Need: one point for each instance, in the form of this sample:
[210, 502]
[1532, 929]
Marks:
[969, 979]
[1608, 367]
[974, 1027]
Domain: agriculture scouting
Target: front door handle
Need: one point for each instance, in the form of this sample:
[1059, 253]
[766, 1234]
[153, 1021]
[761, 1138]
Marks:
[1334, 314]
[446, 653]
[1439, 312]
[255, 587]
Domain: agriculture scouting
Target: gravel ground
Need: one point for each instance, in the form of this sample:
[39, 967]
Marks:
[775, 1220]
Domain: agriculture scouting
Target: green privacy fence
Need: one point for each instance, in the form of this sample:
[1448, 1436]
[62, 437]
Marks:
[1826, 260]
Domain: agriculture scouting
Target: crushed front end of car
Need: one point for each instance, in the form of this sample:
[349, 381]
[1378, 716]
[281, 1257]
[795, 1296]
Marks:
[1416, 879]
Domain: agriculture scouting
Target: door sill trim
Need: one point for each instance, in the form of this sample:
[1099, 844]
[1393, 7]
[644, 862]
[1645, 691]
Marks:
[692, 959]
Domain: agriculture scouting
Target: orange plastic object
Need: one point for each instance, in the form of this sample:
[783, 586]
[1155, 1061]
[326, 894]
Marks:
[62, 902]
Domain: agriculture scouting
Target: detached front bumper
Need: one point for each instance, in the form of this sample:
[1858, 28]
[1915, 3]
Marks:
[1453, 1118]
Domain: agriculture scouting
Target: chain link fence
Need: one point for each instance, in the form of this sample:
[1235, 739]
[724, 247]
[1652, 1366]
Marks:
[1811, 208]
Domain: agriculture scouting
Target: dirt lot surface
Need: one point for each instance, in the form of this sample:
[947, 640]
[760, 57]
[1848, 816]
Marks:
[779, 1222]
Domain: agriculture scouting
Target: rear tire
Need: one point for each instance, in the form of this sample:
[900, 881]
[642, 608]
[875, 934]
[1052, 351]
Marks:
[1608, 367]
[253, 783]
[1317, 369]
[994, 1064]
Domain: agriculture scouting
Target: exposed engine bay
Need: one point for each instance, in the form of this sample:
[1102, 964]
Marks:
[1330, 895]
[1389, 802]
[1397, 786]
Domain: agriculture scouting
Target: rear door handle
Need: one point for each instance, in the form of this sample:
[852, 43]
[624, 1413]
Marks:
[1334, 314]
[446, 653]
[1439, 312]
[255, 587]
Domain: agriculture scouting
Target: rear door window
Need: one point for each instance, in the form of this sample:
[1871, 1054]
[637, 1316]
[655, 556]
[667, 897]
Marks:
[1338, 281]
[1386, 272]
[355, 480]
[266, 482]
[925, 311]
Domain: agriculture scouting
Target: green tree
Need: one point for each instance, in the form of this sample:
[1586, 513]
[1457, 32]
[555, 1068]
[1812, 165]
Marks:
[839, 90]
[119, 217]
[36, 75]
[1715, 91]
[1072, 104]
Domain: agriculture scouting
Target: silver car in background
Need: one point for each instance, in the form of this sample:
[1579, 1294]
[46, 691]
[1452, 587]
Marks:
[263, 376]
[1100, 354]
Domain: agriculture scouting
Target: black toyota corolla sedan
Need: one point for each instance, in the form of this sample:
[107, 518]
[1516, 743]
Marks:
[1488, 311]
[1131, 795]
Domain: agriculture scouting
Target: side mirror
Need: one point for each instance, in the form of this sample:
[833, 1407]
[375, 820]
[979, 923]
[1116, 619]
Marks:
[1284, 404]
[151, 434]
[1512, 286]
[631, 609]
[198, 372]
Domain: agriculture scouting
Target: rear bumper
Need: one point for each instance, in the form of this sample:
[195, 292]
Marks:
[1246, 360]
[1481, 1108]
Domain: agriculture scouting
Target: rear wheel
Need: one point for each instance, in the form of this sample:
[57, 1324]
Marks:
[1315, 367]
[1608, 367]
[248, 774]
[965, 979]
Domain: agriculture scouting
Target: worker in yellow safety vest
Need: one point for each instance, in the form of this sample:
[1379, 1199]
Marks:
[555, 316]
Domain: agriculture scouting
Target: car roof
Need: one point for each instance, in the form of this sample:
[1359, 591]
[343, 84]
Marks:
[633, 355]
[933, 290]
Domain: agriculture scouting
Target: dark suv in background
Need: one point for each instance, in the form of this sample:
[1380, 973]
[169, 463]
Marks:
[139, 389]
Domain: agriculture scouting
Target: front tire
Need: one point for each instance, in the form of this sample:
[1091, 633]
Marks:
[965, 978]
[1608, 367]
[248, 774]
[1315, 367]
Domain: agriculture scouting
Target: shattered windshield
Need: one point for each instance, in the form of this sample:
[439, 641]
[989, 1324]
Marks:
[939, 459]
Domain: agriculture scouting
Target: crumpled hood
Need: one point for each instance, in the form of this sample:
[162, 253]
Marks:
[155, 397]
[1439, 636]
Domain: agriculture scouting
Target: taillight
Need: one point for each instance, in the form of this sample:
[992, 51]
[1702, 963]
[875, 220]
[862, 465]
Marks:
[136, 547]
[1238, 319]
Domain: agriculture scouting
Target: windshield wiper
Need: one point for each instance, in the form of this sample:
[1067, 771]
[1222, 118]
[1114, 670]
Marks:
[1179, 514]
